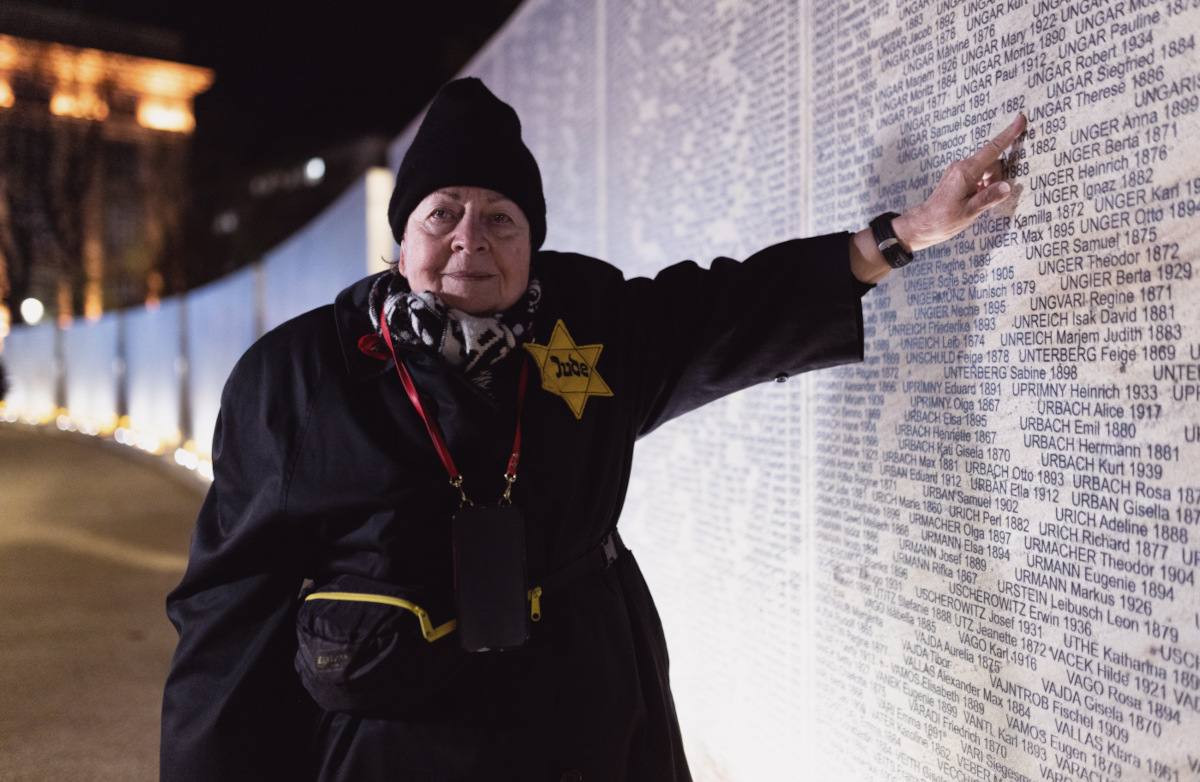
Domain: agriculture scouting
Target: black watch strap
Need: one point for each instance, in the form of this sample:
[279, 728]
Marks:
[885, 238]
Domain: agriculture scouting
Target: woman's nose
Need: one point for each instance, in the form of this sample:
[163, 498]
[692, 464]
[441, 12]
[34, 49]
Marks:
[470, 235]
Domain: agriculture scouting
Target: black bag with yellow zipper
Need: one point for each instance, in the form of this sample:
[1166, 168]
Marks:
[375, 649]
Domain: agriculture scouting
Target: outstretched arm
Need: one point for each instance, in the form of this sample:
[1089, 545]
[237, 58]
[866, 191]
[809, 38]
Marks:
[967, 189]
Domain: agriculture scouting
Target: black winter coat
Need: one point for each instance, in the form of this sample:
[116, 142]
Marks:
[322, 466]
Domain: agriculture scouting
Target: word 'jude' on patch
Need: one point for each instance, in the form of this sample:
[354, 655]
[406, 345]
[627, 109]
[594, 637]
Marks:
[569, 370]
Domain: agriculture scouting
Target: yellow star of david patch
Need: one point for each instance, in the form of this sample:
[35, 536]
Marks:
[569, 370]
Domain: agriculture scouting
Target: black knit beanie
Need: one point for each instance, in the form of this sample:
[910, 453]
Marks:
[469, 138]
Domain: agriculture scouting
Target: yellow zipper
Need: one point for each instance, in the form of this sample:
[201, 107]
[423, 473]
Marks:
[535, 604]
[430, 632]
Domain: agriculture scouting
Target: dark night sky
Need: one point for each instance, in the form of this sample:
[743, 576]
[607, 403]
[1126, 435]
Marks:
[294, 74]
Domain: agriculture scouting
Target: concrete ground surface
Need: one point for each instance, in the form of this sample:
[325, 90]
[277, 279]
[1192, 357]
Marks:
[92, 537]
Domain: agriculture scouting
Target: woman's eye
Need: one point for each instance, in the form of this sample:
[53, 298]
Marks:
[500, 217]
[440, 214]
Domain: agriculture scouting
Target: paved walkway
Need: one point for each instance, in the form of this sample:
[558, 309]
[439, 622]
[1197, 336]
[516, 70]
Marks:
[91, 539]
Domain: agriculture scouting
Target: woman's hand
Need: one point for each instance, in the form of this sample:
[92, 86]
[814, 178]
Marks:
[967, 189]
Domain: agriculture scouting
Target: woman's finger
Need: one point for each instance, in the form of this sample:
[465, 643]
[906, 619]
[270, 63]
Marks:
[991, 151]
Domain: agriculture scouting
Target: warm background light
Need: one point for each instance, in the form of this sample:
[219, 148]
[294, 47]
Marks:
[81, 105]
[10, 55]
[161, 114]
[84, 80]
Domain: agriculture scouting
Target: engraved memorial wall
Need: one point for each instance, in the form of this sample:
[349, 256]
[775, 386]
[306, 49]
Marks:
[974, 555]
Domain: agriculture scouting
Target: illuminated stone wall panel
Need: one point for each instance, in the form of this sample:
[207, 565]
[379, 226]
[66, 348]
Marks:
[31, 370]
[154, 371]
[90, 349]
[1020, 534]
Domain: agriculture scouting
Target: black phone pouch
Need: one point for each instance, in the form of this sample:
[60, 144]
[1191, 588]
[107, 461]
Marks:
[490, 588]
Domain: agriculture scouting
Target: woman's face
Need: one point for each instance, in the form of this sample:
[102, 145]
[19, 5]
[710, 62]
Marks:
[470, 246]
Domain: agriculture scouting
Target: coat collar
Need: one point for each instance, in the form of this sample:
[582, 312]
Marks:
[352, 315]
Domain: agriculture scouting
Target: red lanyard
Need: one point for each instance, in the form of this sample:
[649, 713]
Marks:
[435, 434]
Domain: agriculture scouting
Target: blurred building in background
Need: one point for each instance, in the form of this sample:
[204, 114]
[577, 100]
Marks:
[95, 121]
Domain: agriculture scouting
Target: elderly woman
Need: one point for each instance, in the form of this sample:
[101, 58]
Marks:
[441, 455]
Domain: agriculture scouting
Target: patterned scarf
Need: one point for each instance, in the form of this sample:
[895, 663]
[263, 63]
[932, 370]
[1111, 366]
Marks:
[471, 343]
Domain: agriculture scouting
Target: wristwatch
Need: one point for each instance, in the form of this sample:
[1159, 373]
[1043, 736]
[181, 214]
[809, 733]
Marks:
[893, 252]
